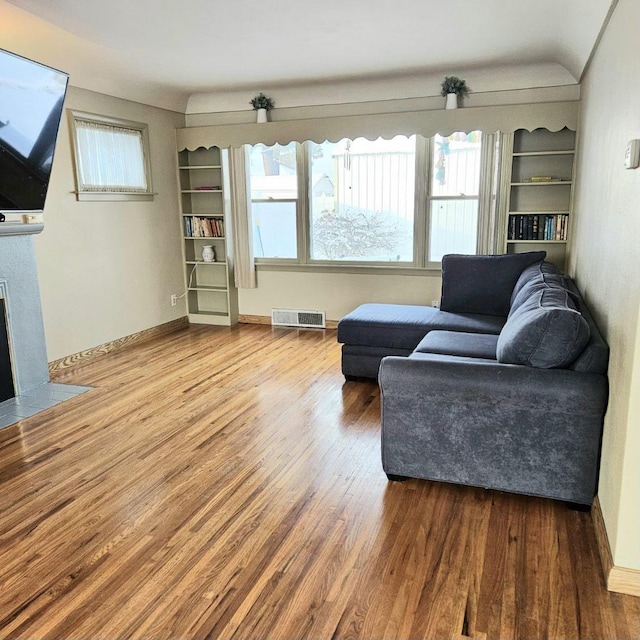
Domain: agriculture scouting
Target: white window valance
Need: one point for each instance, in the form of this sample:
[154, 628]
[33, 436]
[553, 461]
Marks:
[506, 118]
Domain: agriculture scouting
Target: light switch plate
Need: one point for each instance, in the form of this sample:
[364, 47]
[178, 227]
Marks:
[632, 155]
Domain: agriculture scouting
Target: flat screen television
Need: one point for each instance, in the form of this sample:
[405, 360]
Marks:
[31, 100]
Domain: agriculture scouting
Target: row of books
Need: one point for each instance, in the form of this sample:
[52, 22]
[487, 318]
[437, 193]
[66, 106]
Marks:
[201, 227]
[538, 227]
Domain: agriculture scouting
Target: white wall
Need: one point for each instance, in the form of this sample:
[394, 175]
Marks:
[108, 269]
[605, 259]
[540, 77]
[334, 293]
[91, 66]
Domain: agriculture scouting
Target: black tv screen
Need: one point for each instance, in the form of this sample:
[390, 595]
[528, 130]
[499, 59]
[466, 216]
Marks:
[31, 99]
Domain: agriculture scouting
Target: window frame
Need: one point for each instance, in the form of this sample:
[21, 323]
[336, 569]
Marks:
[421, 227]
[300, 243]
[429, 198]
[406, 264]
[83, 194]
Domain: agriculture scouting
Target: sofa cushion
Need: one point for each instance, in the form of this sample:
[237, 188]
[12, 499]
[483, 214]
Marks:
[539, 283]
[482, 284]
[595, 356]
[532, 272]
[402, 326]
[399, 326]
[545, 331]
[457, 343]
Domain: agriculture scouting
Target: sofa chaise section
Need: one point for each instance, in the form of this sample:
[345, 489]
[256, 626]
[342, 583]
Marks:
[373, 331]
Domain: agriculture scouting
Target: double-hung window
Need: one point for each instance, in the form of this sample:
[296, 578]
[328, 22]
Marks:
[274, 200]
[454, 194]
[111, 158]
[405, 201]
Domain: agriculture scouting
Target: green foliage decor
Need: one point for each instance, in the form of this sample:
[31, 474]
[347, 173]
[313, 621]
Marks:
[451, 84]
[262, 102]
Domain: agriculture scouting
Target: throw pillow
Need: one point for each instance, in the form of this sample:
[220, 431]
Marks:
[545, 331]
[482, 284]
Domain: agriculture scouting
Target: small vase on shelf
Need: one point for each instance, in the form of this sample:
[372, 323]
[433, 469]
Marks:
[452, 101]
[208, 253]
[262, 115]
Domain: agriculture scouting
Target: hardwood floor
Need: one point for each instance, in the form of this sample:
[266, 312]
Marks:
[226, 483]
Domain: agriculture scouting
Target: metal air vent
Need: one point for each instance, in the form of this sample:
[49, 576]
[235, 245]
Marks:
[297, 318]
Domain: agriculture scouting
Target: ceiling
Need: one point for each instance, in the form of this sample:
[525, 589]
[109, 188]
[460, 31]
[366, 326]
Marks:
[206, 45]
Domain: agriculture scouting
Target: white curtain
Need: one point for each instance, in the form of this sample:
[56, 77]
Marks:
[110, 158]
[244, 264]
[490, 238]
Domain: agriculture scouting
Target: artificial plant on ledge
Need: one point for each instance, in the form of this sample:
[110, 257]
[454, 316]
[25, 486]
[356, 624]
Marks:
[262, 104]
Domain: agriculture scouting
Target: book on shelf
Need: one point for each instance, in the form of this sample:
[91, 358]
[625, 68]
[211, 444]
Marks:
[543, 180]
[203, 227]
[538, 226]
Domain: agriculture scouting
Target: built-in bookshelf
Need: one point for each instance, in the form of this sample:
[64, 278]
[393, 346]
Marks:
[538, 210]
[204, 207]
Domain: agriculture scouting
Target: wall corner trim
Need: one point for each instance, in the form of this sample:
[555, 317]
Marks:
[618, 579]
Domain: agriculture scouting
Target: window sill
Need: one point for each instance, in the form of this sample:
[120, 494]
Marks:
[114, 196]
[345, 268]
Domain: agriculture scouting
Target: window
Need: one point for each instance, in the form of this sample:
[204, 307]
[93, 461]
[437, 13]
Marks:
[403, 201]
[111, 158]
[454, 195]
[361, 196]
[274, 200]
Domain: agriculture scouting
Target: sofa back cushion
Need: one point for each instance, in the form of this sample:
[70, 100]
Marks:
[595, 356]
[482, 284]
[545, 330]
[533, 273]
[542, 282]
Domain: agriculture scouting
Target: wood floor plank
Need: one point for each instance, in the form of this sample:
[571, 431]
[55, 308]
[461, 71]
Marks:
[226, 483]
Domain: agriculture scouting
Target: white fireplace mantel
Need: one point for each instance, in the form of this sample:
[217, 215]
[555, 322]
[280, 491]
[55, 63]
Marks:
[19, 228]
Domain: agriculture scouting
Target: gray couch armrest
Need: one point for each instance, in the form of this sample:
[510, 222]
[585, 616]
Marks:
[479, 422]
[475, 380]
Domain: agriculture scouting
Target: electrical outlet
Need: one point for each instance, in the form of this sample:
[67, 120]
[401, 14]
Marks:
[435, 303]
[174, 299]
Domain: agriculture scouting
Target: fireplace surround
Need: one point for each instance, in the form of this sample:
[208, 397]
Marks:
[7, 389]
[21, 292]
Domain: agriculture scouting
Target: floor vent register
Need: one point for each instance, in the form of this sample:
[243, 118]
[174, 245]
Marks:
[297, 318]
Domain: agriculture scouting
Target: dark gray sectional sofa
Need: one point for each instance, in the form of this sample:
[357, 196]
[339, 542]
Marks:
[503, 387]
